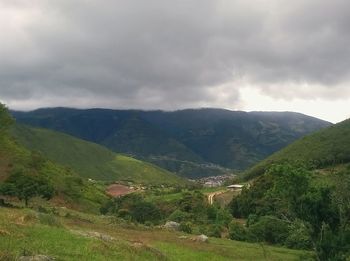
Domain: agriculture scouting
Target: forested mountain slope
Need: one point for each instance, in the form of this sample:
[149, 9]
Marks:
[181, 141]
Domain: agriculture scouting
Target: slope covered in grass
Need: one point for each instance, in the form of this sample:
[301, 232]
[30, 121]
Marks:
[69, 189]
[70, 235]
[91, 160]
[327, 147]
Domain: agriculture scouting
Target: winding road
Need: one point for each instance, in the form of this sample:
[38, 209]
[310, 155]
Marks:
[212, 195]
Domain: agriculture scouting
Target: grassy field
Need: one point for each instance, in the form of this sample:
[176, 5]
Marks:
[70, 235]
[91, 160]
[166, 195]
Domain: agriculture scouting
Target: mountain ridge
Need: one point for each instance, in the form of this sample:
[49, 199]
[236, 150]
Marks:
[231, 139]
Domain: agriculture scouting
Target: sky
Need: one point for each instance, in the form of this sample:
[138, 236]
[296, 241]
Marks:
[264, 55]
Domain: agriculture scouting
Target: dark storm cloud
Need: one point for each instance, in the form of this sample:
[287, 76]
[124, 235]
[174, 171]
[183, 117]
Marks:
[168, 54]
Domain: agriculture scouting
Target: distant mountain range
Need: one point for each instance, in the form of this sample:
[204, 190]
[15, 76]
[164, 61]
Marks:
[192, 143]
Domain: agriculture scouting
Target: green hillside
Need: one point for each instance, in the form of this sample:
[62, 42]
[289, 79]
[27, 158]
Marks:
[90, 160]
[187, 142]
[305, 185]
[330, 146]
[69, 189]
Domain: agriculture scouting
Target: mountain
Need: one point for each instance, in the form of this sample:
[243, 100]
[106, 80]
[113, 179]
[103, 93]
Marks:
[327, 147]
[91, 160]
[201, 141]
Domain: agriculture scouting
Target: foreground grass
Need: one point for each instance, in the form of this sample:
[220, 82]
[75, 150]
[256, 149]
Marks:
[26, 232]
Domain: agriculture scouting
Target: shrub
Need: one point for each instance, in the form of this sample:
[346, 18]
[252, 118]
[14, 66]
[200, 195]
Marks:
[49, 219]
[178, 216]
[299, 236]
[145, 211]
[215, 231]
[186, 227]
[252, 219]
[124, 213]
[269, 229]
[237, 231]
[148, 224]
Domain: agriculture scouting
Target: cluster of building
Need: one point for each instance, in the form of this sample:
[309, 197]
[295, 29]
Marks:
[215, 181]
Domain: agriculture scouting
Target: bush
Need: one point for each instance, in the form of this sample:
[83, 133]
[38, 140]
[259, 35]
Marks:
[252, 219]
[178, 216]
[124, 213]
[186, 227]
[223, 217]
[215, 231]
[269, 229]
[145, 211]
[237, 231]
[148, 224]
[49, 219]
[299, 236]
[107, 207]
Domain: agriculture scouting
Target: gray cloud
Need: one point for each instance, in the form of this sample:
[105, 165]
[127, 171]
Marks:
[162, 54]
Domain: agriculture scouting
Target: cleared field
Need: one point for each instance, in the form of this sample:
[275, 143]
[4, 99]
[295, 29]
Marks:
[224, 198]
[116, 190]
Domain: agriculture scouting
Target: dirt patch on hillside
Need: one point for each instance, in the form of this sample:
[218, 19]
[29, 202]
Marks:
[117, 190]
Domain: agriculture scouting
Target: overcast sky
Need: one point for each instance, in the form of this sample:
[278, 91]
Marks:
[159, 54]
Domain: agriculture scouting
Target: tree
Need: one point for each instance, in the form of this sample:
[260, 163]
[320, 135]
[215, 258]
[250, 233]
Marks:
[5, 118]
[25, 186]
[144, 211]
[290, 183]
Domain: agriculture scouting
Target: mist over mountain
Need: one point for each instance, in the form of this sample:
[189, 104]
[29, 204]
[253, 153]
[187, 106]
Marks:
[192, 142]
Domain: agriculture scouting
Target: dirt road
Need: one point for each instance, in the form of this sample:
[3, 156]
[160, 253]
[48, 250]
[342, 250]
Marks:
[212, 195]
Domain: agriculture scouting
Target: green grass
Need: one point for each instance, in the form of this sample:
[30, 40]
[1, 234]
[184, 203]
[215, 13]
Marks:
[219, 249]
[143, 172]
[328, 147]
[70, 189]
[22, 231]
[31, 238]
[167, 196]
[91, 160]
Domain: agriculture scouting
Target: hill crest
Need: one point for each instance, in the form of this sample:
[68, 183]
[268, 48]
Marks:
[230, 139]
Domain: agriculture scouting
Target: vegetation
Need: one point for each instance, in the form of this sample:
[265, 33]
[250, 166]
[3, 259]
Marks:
[26, 186]
[25, 174]
[190, 209]
[187, 142]
[327, 147]
[69, 235]
[91, 160]
[5, 119]
[286, 206]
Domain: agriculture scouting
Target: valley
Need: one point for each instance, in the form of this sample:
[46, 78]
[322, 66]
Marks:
[193, 143]
[174, 130]
[73, 199]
